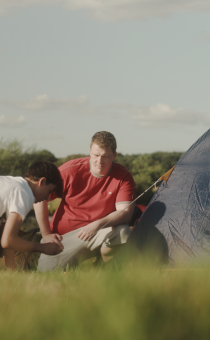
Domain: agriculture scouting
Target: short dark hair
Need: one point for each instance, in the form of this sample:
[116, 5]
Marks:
[49, 171]
[105, 140]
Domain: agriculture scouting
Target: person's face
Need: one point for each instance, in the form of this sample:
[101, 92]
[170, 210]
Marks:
[43, 190]
[101, 159]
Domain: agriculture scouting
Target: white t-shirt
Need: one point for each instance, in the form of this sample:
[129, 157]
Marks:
[15, 196]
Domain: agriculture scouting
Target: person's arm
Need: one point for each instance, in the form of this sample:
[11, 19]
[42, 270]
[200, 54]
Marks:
[42, 217]
[10, 239]
[124, 217]
[9, 258]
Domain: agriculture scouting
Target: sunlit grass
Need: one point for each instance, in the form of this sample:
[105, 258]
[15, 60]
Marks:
[105, 303]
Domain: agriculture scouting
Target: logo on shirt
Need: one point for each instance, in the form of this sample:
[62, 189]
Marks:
[110, 193]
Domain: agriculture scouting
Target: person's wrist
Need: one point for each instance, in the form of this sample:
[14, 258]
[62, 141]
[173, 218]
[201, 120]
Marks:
[99, 225]
[46, 234]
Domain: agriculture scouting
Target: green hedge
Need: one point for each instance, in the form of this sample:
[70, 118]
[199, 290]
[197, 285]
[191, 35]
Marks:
[145, 168]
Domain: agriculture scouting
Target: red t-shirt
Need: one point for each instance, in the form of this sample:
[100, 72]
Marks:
[86, 197]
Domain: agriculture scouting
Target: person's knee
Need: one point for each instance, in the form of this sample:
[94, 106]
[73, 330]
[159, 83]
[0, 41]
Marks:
[125, 233]
[107, 253]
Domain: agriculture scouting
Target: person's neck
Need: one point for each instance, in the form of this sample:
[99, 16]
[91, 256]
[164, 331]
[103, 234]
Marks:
[96, 175]
[31, 184]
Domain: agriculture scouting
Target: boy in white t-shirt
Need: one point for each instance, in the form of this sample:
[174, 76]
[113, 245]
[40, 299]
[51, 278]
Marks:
[17, 195]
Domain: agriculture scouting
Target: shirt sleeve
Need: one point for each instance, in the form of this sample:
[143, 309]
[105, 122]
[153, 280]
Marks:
[127, 191]
[20, 202]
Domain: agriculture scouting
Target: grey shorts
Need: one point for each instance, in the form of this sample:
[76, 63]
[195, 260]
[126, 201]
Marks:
[76, 249]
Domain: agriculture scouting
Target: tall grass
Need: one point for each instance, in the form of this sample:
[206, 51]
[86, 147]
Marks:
[88, 303]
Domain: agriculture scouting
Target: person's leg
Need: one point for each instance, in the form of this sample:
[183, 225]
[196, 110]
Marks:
[108, 254]
[75, 251]
[110, 240]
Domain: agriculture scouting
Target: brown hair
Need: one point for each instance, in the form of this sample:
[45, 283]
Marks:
[49, 171]
[105, 140]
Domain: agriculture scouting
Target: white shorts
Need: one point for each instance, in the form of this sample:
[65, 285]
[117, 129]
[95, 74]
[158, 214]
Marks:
[76, 249]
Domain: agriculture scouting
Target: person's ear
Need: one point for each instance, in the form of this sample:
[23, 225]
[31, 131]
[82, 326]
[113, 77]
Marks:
[115, 155]
[42, 181]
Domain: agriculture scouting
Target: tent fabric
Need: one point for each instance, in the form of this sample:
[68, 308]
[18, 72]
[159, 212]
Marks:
[179, 212]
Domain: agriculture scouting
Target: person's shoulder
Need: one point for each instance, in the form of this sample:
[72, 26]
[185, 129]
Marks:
[119, 167]
[16, 185]
[121, 171]
[75, 164]
[22, 197]
[11, 181]
[22, 185]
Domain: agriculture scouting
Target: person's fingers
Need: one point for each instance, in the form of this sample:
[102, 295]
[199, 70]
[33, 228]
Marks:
[79, 234]
[83, 236]
[59, 237]
[87, 237]
[57, 241]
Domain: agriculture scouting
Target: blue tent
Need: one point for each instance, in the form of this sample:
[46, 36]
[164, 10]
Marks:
[176, 223]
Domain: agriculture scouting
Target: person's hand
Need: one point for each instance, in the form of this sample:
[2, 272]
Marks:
[87, 232]
[53, 238]
[51, 249]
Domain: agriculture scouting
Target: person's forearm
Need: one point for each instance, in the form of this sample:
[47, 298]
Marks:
[11, 240]
[18, 244]
[9, 258]
[113, 219]
[118, 218]
[42, 217]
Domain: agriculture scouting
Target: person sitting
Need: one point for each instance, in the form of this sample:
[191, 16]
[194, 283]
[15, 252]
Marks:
[17, 196]
[95, 190]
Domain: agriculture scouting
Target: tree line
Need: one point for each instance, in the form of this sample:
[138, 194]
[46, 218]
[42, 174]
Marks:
[145, 168]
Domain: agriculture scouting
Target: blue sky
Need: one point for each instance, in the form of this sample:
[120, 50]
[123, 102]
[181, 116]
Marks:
[139, 69]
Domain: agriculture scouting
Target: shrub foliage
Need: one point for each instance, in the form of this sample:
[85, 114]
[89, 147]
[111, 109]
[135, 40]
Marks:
[145, 168]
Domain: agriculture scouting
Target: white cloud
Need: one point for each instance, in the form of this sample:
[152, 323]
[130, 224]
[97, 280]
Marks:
[6, 121]
[44, 102]
[158, 116]
[113, 10]
[164, 116]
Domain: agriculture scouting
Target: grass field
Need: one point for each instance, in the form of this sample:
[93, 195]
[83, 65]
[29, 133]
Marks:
[134, 302]
[89, 303]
